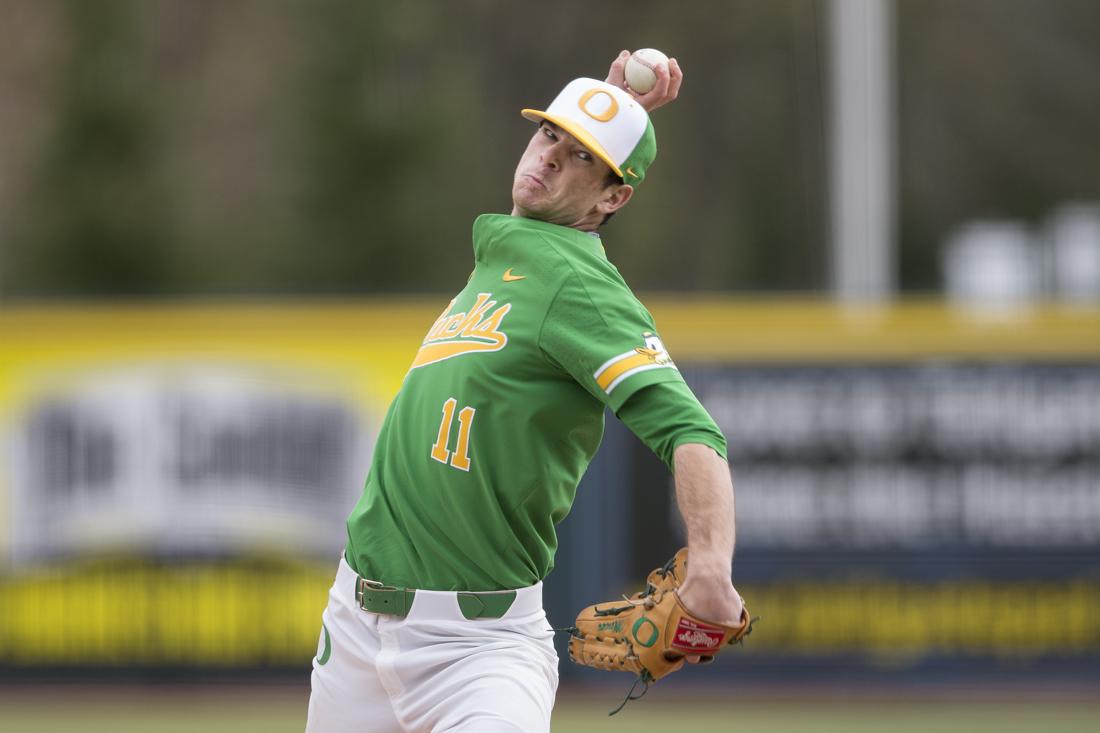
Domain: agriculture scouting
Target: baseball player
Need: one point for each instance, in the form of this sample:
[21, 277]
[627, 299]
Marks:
[435, 620]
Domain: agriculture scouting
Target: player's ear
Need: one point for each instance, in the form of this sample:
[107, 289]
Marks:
[614, 198]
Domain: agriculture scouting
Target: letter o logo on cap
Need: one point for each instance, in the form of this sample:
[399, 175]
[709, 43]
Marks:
[609, 113]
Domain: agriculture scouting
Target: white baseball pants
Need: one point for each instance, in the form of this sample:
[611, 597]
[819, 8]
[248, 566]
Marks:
[433, 671]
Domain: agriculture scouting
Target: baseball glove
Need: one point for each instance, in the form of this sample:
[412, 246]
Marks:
[650, 633]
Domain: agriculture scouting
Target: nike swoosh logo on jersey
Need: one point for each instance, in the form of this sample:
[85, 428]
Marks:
[510, 278]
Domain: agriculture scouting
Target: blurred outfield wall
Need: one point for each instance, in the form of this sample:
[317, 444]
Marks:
[174, 479]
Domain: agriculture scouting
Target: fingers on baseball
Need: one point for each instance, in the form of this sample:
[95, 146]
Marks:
[656, 96]
[676, 78]
[665, 90]
[617, 73]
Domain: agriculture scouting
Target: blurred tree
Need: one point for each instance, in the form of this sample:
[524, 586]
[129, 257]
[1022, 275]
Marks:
[999, 113]
[97, 221]
[345, 146]
[372, 132]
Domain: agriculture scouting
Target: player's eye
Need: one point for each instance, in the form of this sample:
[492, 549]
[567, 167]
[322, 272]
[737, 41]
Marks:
[549, 133]
[584, 155]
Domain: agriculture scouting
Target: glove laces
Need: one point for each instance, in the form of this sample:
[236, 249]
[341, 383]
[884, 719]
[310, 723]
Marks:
[646, 678]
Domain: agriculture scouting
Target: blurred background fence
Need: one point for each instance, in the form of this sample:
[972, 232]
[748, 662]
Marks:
[225, 227]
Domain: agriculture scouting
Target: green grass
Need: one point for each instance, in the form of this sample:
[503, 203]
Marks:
[282, 709]
[831, 717]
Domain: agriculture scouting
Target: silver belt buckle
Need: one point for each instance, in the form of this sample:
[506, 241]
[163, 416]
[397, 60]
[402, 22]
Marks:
[360, 584]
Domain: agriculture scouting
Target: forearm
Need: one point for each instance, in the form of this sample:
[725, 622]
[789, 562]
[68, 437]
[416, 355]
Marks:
[704, 495]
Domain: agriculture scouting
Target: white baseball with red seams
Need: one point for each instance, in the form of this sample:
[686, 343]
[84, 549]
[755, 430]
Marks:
[640, 70]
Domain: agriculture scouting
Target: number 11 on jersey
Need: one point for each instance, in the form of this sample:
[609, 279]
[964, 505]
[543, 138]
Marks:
[461, 457]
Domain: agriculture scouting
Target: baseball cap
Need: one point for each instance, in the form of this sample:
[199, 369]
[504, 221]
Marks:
[607, 121]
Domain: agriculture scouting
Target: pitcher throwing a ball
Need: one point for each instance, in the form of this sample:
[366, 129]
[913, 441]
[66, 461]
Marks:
[435, 620]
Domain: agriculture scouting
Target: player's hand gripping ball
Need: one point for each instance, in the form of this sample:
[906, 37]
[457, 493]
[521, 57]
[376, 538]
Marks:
[651, 633]
[641, 69]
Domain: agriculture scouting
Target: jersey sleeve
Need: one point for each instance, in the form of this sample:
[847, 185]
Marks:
[668, 415]
[605, 339]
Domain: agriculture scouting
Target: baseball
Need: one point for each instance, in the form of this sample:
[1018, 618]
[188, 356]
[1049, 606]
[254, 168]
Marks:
[641, 68]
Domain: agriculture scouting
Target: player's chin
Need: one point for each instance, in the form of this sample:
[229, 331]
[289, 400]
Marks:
[529, 196]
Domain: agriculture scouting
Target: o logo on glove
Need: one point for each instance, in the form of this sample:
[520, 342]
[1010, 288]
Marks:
[654, 633]
[609, 113]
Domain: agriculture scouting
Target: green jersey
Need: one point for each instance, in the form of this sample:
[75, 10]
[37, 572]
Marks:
[501, 412]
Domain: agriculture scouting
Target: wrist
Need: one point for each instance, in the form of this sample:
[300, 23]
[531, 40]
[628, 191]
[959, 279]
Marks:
[709, 564]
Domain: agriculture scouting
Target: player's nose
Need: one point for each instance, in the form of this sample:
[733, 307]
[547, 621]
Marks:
[551, 156]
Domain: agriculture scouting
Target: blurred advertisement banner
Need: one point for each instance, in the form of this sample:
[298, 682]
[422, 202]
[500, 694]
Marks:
[924, 457]
[927, 510]
[174, 479]
[185, 459]
[923, 481]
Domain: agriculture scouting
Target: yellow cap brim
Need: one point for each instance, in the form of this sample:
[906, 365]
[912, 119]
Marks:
[582, 135]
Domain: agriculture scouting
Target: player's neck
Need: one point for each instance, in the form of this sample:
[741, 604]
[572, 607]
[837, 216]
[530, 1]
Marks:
[588, 223]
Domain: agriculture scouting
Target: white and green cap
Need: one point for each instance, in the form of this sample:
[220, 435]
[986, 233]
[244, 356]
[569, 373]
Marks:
[607, 121]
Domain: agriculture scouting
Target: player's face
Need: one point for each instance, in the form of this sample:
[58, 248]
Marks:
[560, 181]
